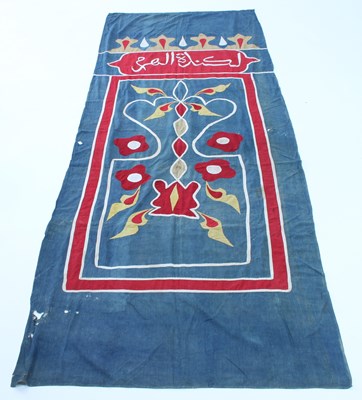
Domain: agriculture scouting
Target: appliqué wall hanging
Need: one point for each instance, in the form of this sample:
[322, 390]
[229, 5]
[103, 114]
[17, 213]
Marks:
[182, 250]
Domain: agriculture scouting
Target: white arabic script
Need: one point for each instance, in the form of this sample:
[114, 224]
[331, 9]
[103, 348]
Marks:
[185, 59]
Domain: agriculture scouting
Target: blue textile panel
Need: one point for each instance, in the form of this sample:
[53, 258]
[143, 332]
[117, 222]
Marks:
[182, 250]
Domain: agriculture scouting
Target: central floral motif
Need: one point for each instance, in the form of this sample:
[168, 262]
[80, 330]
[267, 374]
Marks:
[176, 198]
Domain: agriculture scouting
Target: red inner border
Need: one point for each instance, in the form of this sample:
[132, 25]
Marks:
[280, 281]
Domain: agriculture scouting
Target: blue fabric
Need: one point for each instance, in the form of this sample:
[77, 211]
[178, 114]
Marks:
[182, 250]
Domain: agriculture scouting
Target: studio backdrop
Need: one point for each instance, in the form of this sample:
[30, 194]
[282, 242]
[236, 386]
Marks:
[182, 251]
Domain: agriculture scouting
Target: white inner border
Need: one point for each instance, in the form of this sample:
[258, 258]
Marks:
[178, 278]
[199, 136]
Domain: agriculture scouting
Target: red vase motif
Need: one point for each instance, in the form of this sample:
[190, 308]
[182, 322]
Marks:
[176, 199]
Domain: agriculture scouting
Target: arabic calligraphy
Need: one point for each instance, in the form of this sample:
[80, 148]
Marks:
[180, 62]
[185, 59]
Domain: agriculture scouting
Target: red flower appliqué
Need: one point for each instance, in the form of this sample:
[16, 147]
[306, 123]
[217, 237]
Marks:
[134, 144]
[225, 141]
[215, 169]
[132, 178]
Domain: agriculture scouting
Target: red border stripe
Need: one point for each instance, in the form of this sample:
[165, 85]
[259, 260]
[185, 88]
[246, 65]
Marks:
[280, 280]
[83, 218]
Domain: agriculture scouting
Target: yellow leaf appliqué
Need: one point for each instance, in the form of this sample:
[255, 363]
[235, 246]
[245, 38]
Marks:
[126, 201]
[221, 195]
[149, 91]
[212, 90]
[160, 111]
[202, 110]
[133, 223]
[214, 228]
